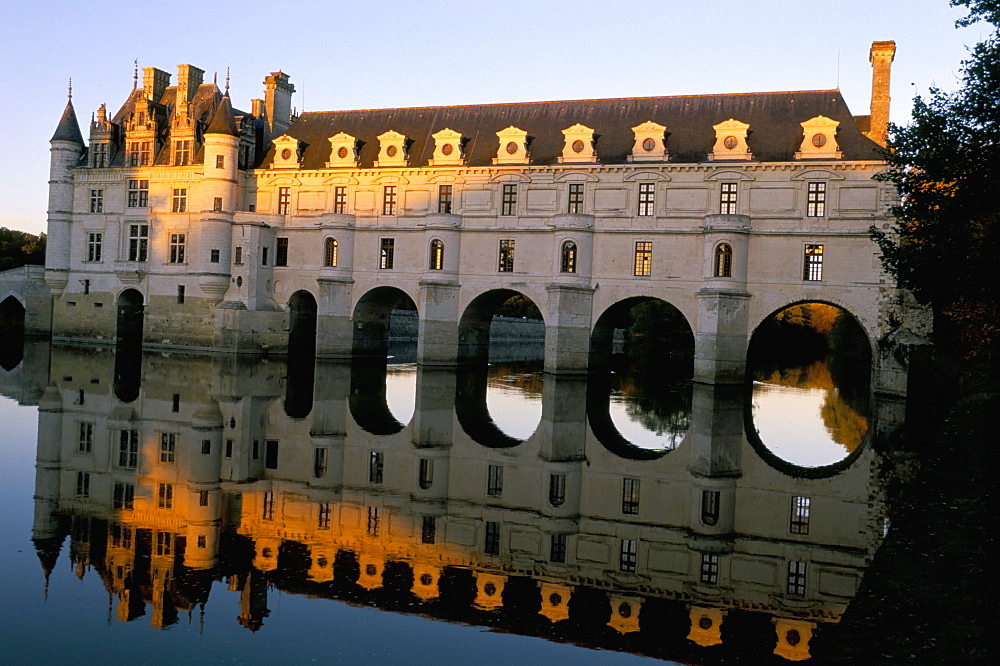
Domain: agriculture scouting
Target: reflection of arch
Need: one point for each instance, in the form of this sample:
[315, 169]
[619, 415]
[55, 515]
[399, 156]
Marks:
[371, 319]
[723, 264]
[331, 248]
[474, 326]
[367, 399]
[130, 315]
[619, 316]
[599, 417]
[436, 261]
[128, 372]
[472, 411]
[567, 259]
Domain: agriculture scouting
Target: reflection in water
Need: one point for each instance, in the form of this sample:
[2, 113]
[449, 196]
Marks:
[559, 536]
[514, 397]
[401, 390]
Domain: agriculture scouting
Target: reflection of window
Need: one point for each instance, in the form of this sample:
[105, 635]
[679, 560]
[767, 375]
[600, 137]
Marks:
[444, 198]
[557, 552]
[509, 202]
[83, 484]
[799, 522]
[202, 498]
[575, 198]
[375, 465]
[426, 475]
[710, 568]
[374, 513]
[492, 546]
[206, 446]
[723, 261]
[320, 462]
[710, 507]
[567, 263]
[557, 489]
[494, 480]
[647, 193]
[816, 199]
[340, 199]
[330, 252]
[267, 512]
[797, 578]
[165, 496]
[86, 441]
[271, 454]
[630, 496]
[627, 558]
[727, 199]
[164, 543]
[128, 448]
[168, 447]
[386, 252]
[428, 530]
[813, 267]
[643, 257]
[437, 255]
[506, 256]
[323, 521]
[124, 496]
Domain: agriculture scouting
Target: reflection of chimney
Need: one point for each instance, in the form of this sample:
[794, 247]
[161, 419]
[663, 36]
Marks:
[881, 56]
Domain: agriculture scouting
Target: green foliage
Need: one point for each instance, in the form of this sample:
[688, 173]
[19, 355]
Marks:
[658, 331]
[946, 165]
[519, 306]
[18, 248]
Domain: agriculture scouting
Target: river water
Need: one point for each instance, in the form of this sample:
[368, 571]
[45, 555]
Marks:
[166, 508]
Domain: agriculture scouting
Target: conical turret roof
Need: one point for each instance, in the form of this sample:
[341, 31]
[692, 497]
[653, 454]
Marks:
[223, 121]
[68, 128]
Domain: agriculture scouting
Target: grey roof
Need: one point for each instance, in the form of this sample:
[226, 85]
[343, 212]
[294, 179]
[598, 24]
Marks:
[68, 128]
[775, 132]
[222, 121]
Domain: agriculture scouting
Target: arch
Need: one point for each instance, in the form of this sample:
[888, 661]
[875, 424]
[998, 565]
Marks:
[331, 252]
[722, 264]
[436, 258]
[474, 327]
[131, 310]
[825, 300]
[301, 369]
[619, 316]
[371, 319]
[567, 257]
[11, 332]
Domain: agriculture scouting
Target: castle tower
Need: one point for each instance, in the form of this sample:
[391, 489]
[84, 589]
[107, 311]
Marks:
[219, 194]
[66, 149]
[880, 56]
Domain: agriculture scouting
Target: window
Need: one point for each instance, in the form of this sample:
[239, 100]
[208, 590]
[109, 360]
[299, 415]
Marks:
[281, 255]
[557, 550]
[386, 252]
[437, 255]
[323, 521]
[134, 153]
[506, 258]
[627, 558]
[206, 447]
[179, 201]
[214, 256]
[425, 477]
[217, 204]
[330, 251]
[284, 199]
[83, 484]
[320, 456]
[799, 521]
[723, 261]
[797, 578]
[428, 530]
[138, 193]
[710, 507]
[813, 267]
[376, 462]
[647, 197]
[816, 199]
[340, 199]
[389, 200]
[238, 256]
[124, 496]
[94, 242]
[710, 568]
[164, 543]
[202, 498]
[100, 154]
[643, 257]
[168, 447]
[575, 198]
[567, 262]
[630, 496]
[220, 161]
[165, 496]
[271, 454]
[177, 242]
[97, 201]
[508, 205]
[374, 513]
[444, 198]
[86, 442]
[182, 153]
[492, 546]
[128, 448]
[727, 199]
[557, 489]
[267, 507]
[494, 480]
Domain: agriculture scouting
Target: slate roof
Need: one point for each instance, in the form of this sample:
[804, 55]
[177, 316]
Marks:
[68, 128]
[222, 121]
[775, 132]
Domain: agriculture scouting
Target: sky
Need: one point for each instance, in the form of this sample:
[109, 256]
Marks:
[355, 54]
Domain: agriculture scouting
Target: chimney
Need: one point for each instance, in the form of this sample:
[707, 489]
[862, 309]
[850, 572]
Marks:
[154, 82]
[257, 107]
[881, 56]
[278, 102]
[189, 78]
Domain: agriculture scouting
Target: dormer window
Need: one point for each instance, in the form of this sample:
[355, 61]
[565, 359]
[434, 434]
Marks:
[343, 151]
[819, 139]
[99, 155]
[649, 145]
[393, 150]
[513, 146]
[182, 152]
[731, 141]
[448, 148]
[578, 145]
[287, 152]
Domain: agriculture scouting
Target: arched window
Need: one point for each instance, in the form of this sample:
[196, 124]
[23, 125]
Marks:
[330, 252]
[723, 260]
[437, 255]
[568, 263]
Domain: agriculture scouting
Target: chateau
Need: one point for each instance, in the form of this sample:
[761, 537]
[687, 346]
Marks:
[194, 224]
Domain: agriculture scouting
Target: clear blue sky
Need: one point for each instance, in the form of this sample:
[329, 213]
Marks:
[352, 54]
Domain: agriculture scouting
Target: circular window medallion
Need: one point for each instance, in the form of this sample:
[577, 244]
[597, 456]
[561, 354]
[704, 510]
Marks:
[578, 146]
[425, 579]
[730, 142]
[625, 610]
[321, 562]
[371, 569]
[511, 148]
[391, 151]
[446, 149]
[286, 154]
[342, 152]
[704, 622]
[793, 637]
[819, 140]
[555, 599]
[490, 589]
[648, 145]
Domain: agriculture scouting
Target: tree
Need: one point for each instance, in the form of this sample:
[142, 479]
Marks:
[945, 243]
[18, 248]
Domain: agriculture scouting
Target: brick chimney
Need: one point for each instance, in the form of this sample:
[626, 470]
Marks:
[154, 82]
[278, 102]
[881, 56]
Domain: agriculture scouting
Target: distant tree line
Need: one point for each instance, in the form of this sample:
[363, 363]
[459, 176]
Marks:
[18, 248]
